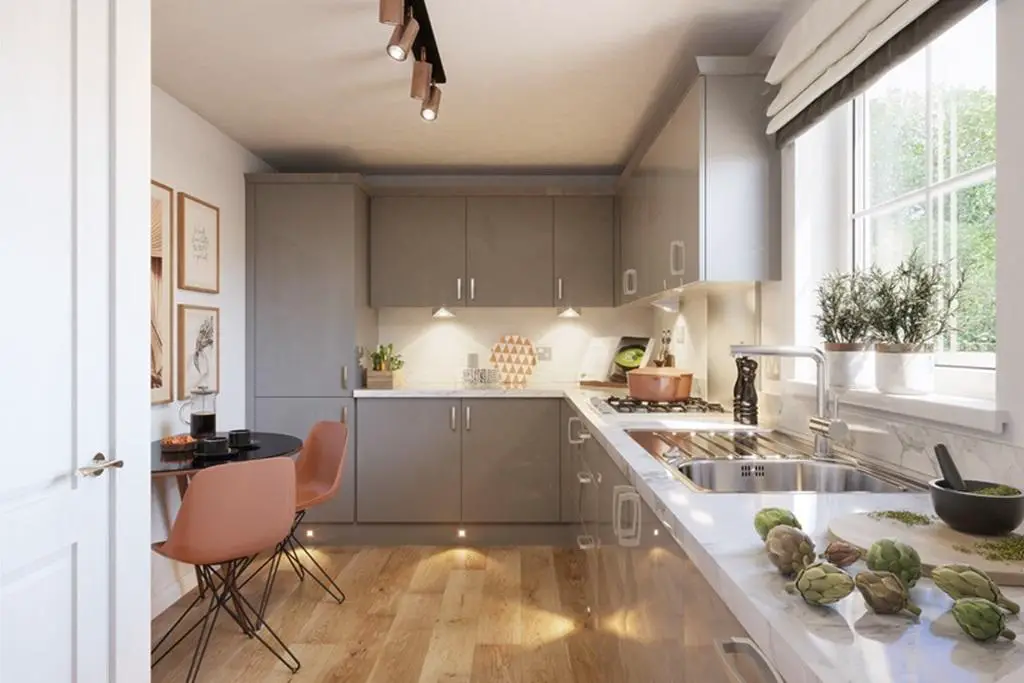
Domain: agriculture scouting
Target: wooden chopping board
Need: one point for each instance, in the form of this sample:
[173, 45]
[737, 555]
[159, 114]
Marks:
[933, 542]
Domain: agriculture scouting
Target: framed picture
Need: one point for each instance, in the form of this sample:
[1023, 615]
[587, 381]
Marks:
[161, 292]
[198, 245]
[198, 348]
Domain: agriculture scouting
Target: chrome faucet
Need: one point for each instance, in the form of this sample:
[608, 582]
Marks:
[823, 425]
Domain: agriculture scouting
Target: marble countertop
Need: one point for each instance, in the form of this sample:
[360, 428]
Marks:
[842, 643]
[456, 390]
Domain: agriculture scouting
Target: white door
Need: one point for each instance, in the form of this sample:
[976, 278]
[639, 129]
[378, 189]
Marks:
[74, 217]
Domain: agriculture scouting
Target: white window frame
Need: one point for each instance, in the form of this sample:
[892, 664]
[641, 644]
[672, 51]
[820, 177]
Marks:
[931, 196]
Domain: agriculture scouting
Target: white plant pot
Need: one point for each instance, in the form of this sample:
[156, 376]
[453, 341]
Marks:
[901, 370]
[850, 366]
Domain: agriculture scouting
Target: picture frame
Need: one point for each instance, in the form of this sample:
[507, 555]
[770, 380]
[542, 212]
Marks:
[198, 348]
[198, 245]
[161, 292]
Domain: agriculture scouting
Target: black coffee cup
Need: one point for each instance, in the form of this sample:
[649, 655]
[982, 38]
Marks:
[239, 438]
[214, 445]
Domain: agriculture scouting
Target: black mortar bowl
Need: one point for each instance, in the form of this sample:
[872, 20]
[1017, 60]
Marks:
[973, 513]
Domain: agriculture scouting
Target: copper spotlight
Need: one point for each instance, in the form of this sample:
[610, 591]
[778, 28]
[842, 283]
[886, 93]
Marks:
[421, 73]
[430, 105]
[402, 39]
[392, 12]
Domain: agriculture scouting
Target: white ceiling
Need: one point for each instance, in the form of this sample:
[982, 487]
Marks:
[532, 84]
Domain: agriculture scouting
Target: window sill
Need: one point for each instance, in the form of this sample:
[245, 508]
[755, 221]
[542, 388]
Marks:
[971, 413]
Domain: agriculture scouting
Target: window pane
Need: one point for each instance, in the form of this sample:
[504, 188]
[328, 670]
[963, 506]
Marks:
[963, 77]
[895, 132]
[890, 237]
[969, 239]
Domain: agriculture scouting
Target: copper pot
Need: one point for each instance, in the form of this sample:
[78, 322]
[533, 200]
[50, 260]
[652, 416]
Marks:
[659, 384]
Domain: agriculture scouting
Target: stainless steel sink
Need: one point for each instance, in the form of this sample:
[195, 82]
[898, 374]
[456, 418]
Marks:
[755, 462]
[756, 476]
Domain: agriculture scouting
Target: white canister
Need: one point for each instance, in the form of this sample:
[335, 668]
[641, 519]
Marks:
[850, 366]
[904, 370]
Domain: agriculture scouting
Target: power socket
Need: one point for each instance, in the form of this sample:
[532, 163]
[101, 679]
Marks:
[543, 353]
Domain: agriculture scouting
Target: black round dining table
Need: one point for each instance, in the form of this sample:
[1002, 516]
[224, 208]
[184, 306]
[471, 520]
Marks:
[266, 445]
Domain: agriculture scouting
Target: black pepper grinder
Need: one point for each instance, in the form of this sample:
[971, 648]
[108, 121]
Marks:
[745, 408]
[737, 389]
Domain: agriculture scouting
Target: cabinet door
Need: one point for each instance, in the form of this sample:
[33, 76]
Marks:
[303, 289]
[418, 251]
[296, 416]
[630, 240]
[510, 251]
[409, 465]
[584, 251]
[510, 451]
[687, 241]
[570, 465]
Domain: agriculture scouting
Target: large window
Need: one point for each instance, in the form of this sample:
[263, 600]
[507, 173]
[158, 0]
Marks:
[924, 173]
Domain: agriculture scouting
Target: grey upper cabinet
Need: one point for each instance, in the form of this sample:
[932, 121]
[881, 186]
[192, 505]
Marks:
[418, 251]
[584, 244]
[509, 255]
[510, 460]
[297, 416]
[409, 460]
[308, 285]
[701, 204]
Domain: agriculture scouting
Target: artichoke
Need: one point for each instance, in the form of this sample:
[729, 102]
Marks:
[789, 549]
[769, 518]
[885, 593]
[981, 619]
[964, 581]
[888, 555]
[841, 554]
[822, 584]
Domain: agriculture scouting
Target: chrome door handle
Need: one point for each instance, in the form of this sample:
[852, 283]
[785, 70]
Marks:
[469, 418]
[99, 465]
[344, 414]
[629, 276]
[585, 477]
[734, 646]
[581, 436]
[585, 542]
[458, 289]
[472, 288]
[452, 422]
[560, 289]
[344, 377]
[677, 247]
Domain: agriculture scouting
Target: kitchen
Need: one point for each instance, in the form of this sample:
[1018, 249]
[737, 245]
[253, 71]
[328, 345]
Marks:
[559, 267]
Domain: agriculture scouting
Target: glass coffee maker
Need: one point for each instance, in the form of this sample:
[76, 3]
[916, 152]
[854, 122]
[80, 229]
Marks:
[202, 409]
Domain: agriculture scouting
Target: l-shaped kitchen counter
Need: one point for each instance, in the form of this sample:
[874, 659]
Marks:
[842, 643]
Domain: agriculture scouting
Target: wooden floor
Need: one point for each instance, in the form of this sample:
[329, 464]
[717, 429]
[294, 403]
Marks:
[416, 614]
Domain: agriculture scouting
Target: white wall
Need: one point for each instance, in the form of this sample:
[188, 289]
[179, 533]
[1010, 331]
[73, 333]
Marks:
[192, 156]
[435, 351]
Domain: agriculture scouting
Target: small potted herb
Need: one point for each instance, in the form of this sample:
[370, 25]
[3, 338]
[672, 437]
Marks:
[845, 327]
[910, 307]
[385, 371]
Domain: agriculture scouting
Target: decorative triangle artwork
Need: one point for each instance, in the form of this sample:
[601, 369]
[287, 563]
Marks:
[514, 357]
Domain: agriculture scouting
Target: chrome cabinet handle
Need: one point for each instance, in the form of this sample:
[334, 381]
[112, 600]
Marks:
[344, 414]
[453, 419]
[627, 537]
[458, 289]
[677, 266]
[581, 436]
[469, 418]
[472, 288]
[628, 277]
[560, 289]
[587, 542]
[344, 377]
[99, 465]
[585, 477]
[735, 646]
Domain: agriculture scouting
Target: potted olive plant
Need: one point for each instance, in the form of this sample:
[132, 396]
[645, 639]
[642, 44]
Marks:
[910, 307]
[844, 326]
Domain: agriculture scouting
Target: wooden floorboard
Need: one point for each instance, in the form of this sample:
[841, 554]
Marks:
[416, 615]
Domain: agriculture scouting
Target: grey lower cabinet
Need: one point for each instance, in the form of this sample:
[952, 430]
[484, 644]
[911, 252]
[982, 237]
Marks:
[509, 256]
[418, 251]
[584, 251]
[410, 460]
[645, 577]
[510, 460]
[296, 416]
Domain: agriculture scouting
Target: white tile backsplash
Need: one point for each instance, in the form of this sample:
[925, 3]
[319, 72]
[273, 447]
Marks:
[436, 350]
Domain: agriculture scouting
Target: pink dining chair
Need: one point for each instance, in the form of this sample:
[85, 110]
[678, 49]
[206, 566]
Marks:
[230, 514]
[318, 477]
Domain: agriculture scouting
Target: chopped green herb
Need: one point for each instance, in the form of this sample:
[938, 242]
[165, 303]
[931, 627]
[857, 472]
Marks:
[1000, 490]
[1006, 549]
[905, 516]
